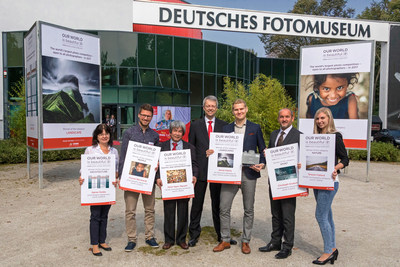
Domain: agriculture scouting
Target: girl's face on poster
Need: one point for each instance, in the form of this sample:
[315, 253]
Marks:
[322, 120]
[103, 138]
[333, 90]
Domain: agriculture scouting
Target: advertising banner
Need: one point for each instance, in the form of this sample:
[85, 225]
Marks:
[164, 115]
[70, 79]
[282, 172]
[225, 164]
[139, 172]
[337, 76]
[176, 174]
[31, 88]
[317, 158]
[98, 172]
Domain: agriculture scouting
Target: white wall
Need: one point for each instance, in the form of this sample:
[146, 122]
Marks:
[20, 15]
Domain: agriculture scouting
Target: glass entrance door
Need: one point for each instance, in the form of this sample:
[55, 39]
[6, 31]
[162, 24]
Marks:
[126, 118]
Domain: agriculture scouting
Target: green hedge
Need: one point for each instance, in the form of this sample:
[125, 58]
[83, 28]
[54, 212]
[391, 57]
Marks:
[379, 152]
[14, 152]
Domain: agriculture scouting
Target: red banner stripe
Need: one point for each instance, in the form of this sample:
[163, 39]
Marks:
[355, 143]
[54, 143]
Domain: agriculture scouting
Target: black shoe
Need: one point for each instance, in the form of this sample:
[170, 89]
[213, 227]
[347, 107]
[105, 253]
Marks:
[331, 259]
[105, 248]
[96, 254]
[192, 242]
[270, 247]
[336, 253]
[233, 242]
[283, 254]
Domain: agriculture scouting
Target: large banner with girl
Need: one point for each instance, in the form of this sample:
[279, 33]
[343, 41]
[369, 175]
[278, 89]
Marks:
[164, 115]
[338, 76]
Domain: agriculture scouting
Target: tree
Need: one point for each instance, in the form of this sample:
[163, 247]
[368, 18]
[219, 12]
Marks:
[282, 46]
[383, 10]
[264, 96]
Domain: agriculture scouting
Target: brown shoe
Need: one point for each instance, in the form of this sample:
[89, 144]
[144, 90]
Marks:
[183, 245]
[246, 248]
[221, 246]
[167, 246]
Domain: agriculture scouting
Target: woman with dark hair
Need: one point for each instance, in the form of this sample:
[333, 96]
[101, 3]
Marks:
[324, 124]
[101, 144]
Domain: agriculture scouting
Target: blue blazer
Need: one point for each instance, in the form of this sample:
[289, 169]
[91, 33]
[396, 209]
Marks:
[253, 140]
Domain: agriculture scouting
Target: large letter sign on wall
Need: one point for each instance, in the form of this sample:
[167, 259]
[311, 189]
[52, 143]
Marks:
[225, 19]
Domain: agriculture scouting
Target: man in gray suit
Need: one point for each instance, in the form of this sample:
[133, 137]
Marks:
[283, 210]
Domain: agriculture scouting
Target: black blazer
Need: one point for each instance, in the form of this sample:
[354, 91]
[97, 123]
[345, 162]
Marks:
[198, 137]
[292, 137]
[166, 146]
[253, 139]
[340, 151]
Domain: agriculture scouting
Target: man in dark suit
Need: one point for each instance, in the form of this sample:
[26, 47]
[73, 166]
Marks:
[199, 137]
[253, 140]
[180, 206]
[283, 210]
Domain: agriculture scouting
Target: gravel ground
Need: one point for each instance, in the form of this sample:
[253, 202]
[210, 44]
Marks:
[47, 227]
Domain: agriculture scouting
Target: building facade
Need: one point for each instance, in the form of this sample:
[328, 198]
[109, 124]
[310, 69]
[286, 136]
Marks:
[137, 67]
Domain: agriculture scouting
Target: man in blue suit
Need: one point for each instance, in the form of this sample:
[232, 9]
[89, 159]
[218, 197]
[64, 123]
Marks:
[253, 140]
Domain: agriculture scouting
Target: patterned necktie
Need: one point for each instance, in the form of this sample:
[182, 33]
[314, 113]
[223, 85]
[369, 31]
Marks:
[174, 144]
[280, 140]
[209, 128]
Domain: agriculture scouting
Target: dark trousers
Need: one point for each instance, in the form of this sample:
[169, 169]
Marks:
[283, 221]
[197, 208]
[98, 224]
[171, 208]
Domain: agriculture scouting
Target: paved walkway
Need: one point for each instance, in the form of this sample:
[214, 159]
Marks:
[48, 227]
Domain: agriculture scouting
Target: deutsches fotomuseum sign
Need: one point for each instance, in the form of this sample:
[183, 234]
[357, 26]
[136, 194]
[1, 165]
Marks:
[225, 19]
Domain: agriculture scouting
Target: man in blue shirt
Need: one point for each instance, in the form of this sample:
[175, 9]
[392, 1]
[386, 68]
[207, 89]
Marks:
[143, 134]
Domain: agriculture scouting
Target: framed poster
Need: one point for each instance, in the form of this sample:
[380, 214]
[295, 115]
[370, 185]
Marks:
[225, 164]
[98, 172]
[317, 158]
[282, 172]
[139, 171]
[176, 174]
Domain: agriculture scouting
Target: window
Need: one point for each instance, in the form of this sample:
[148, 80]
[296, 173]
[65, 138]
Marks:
[164, 52]
[196, 55]
[146, 51]
[196, 82]
[210, 57]
[181, 51]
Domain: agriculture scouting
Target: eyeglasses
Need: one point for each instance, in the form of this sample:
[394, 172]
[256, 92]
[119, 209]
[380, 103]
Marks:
[146, 116]
[104, 134]
[210, 106]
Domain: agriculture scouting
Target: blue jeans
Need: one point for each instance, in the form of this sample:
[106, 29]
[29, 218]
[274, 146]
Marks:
[323, 214]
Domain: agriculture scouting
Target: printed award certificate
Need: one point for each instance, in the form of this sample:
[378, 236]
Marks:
[139, 172]
[317, 158]
[225, 164]
[282, 172]
[98, 172]
[176, 174]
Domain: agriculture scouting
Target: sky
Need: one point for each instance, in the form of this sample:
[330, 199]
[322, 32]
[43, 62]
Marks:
[251, 40]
